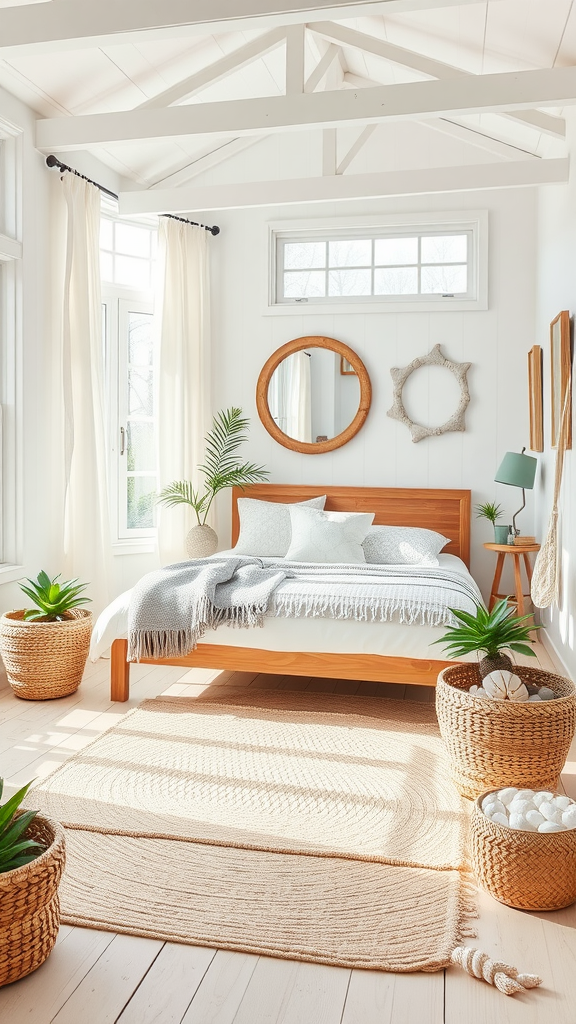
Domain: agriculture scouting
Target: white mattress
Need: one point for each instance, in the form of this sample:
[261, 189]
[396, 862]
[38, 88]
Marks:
[317, 635]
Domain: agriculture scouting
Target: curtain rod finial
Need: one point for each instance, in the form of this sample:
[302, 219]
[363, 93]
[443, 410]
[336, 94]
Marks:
[215, 229]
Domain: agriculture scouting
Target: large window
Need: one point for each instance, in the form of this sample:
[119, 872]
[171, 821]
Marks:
[128, 253]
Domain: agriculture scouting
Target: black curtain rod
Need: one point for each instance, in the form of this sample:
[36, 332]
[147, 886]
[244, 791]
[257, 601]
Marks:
[53, 161]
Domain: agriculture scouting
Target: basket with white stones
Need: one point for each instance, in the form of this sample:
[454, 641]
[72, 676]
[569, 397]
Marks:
[523, 847]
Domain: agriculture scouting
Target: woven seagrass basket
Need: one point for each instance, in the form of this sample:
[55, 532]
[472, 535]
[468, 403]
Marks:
[526, 870]
[45, 659]
[29, 904]
[503, 743]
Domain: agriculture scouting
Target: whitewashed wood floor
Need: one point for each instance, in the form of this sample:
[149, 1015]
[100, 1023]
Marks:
[95, 977]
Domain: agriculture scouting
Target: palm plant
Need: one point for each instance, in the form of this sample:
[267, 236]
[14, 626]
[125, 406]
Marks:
[222, 467]
[53, 600]
[15, 849]
[489, 510]
[490, 633]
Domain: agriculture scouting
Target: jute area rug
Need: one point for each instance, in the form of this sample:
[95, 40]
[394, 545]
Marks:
[306, 826]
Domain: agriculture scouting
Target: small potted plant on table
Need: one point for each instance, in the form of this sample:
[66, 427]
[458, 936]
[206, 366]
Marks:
[32, 855]
[492, 512]
[45, 648]
[503, 724]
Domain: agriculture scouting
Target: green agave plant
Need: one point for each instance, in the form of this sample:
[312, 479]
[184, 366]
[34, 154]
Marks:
[489, 510]
[15, 849]
[53, 600]
[489, 633]
[221, 467]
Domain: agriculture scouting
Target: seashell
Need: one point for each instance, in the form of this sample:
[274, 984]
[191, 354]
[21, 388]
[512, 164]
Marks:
[534, 699]
[550, 811]
[569, 816]
[535, 818]
[500, 819]
[519, 821]
[562, 802]
[520, 806]
[507, 795]
[496, 683]
[541, 796]
[516, 690]
[545, 693]
[551, 826]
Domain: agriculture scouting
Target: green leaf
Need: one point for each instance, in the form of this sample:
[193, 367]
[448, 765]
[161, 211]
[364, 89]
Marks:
[8, 809]
[489, 632]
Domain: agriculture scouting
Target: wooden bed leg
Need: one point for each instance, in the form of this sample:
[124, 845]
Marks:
[119, 671]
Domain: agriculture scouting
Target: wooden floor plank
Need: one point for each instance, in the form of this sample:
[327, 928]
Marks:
[169, 986]
[222, 988]
[288, 992]
[377, 998]
[107, 987]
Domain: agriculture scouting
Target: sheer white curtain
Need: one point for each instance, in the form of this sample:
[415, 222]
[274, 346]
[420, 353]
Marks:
[289, 396]
[86, 519]
[184, 405]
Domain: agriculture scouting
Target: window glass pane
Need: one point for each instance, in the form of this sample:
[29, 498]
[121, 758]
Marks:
[141, 507]
[350, 253]
[305, 284]
[106, 266]
[132, 272]
[105, 234]
[140, 392]
[444, 249]
[140, 339]
[395, 251]
[132, 241]
[140, 446]
[396, 281]
[444, 280]
[349, 282]
[304, 255]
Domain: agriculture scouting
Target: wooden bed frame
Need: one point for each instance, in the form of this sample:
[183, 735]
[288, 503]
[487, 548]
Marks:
[446, 511]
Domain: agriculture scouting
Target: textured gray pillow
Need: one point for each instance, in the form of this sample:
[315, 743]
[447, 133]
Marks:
[328, 536]
[265, 527]
[403, 545]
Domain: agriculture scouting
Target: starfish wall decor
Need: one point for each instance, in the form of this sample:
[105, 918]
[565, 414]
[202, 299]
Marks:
[400, 376]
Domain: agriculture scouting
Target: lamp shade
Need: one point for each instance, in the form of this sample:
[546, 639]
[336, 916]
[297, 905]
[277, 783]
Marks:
[517, 470]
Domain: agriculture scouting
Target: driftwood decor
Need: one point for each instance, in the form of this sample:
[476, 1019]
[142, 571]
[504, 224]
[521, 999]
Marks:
[560, 376]
[400, 376]
[535, 399]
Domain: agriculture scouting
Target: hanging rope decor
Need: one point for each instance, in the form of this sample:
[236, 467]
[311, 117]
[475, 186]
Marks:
[400, 376]
[504, 977]
[545, 578]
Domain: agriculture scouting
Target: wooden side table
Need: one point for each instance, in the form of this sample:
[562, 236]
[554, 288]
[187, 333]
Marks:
[517, 551]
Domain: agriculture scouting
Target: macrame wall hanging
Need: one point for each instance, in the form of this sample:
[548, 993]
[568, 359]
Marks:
[400, 376]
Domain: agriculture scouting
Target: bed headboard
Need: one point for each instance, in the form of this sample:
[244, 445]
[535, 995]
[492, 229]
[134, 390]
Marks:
[446, 511]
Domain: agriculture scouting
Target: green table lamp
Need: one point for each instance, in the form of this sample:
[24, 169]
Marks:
[517, 471]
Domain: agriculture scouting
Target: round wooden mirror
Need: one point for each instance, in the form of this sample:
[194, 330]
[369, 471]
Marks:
[313, 394]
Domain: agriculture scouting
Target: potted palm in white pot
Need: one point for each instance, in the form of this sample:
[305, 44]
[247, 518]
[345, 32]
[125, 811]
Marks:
[45, 648]
[222, 469]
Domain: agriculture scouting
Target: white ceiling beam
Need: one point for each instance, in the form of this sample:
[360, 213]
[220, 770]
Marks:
[217, 71]
[329, 149]
[475, 137]
[207, 160]
[465, 95]
[295, 41]
[339, 187]
[322, 68]
[355, 148]
[74, 24]
[343, 36]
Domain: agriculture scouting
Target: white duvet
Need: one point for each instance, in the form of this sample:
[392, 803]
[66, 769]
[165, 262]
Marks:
[315, 635]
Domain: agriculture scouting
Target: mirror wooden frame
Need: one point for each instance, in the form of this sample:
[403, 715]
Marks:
[313, 341]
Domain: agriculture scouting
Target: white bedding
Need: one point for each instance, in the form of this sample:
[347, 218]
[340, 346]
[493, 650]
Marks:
[318, 635]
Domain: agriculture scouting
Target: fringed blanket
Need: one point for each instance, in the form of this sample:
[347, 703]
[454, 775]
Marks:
[171, 609]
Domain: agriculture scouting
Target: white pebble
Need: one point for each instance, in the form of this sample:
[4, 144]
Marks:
[518, 821]
[562, 802]
[480, 692]
[489, 800]
[524, 794]
[569, 816]
[535, 818]
[546, 693]
[473, 689]
[507, 795]
[520, 806]
[494, 806]
[534, 699]
[500, 819]
[541, 796]
[550, 811]
[551, 826]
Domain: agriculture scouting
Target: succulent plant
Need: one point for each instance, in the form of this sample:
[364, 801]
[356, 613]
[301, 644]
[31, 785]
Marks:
[15, 849]
[53, 600]
[489, 510]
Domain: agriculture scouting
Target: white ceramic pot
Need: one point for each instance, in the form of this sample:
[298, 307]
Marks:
[201, 541]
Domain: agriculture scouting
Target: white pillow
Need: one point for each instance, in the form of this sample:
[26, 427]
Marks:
[327, 536]
[265, 526]
[403, 545]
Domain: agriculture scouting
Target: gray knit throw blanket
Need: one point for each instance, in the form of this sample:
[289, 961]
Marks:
[171, 608]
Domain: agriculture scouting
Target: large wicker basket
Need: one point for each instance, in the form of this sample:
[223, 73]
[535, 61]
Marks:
[45, 659]
[527, 870]
[29, 904]
[503, 743]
